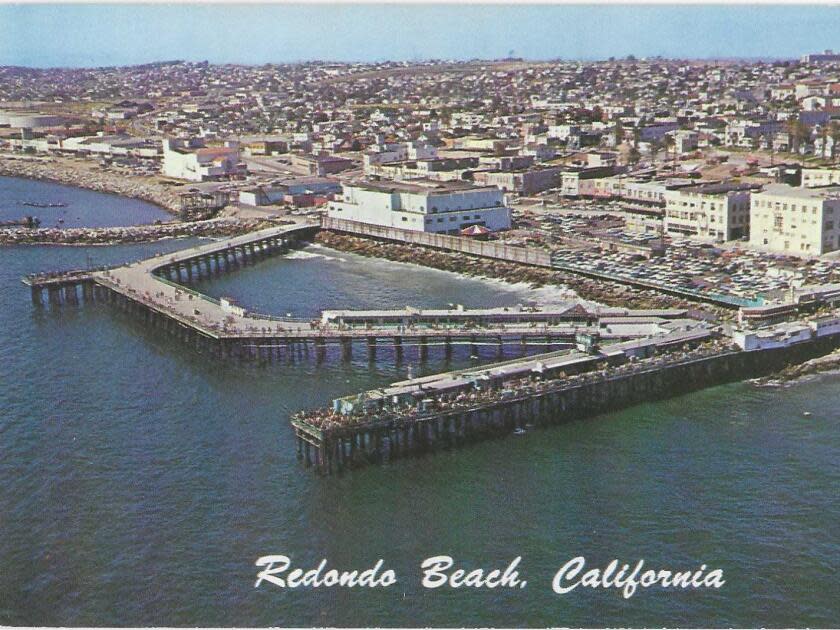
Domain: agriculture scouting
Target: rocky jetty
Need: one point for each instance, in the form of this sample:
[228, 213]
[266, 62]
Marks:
[608, 293]
[134, 234]
[827, 363]
[89, 175]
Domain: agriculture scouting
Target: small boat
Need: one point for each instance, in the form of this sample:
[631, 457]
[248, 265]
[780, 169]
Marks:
[36, 204]
[807, 414]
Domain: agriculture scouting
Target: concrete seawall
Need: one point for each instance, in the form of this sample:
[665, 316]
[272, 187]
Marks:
[500, 251]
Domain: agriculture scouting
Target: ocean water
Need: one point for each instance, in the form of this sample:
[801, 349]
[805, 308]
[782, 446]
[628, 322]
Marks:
[140, 480]
[82, 208]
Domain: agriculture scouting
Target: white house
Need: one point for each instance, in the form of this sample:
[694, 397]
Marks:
[817, 177]
[397, 152]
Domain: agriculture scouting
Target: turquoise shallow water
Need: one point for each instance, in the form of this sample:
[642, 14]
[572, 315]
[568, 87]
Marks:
[139, 481]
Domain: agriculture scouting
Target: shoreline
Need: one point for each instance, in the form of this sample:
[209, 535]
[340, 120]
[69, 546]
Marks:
[548, 293]
[602, 292]
[79, 174]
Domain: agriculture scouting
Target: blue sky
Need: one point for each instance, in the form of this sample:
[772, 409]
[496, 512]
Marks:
[44, 35]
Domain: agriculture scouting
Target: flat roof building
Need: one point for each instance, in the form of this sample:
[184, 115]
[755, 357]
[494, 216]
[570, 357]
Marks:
[710, 212]
[818, 177]
[193, 161]
[422, 205]
[799, 221]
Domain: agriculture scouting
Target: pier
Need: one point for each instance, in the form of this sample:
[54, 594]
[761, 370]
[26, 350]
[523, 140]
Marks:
[575, 359]
[445, 411]
[156, 291]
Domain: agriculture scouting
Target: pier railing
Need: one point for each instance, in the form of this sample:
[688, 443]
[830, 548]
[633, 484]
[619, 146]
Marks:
[485, 249]
[186, 289]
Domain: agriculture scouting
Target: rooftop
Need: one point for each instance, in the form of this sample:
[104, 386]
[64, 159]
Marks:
[719, 189]
[418, 186]
[826, 192]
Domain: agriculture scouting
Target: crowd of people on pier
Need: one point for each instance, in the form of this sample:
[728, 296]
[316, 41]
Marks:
[384, 411]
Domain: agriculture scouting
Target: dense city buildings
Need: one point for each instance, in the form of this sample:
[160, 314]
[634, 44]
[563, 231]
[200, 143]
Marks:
[671, 149]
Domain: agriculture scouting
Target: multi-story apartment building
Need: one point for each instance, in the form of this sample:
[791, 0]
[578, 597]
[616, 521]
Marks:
[421, 205]
[795, 220]
[710, 212]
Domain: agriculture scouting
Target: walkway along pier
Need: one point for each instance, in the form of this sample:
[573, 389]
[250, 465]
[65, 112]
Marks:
[447, 411]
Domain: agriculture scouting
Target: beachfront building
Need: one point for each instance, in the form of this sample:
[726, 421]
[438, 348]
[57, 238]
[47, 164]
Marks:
[423, 205]
[300, 191]
[193, 161]
[796, 220]
[710, 212]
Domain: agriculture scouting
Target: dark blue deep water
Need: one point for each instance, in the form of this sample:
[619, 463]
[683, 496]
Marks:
[81, 208]
[140, 481]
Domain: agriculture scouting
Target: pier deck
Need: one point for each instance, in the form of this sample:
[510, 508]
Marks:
[448, 410]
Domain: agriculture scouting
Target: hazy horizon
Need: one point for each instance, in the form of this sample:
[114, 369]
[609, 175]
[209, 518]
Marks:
[86, 36]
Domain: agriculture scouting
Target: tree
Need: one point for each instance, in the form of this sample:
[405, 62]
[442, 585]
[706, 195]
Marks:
[834, 134]
[655, 148]
[619, 133]
[670, 142]
[799, 133]
[824, 139]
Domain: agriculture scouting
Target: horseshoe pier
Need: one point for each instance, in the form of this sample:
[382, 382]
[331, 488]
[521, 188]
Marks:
[152, 290]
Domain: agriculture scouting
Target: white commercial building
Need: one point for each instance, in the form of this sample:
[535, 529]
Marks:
[795, 220]
[685, 141]
[712, 212]
[817, 177]
[397, 152]
[424, 206]
[195, 162]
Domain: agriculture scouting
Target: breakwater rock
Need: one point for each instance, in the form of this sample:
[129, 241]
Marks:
[603, 292]
[89, 175]
[134, 234]
[827, 363]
